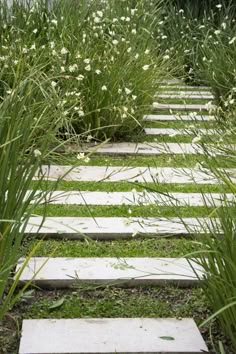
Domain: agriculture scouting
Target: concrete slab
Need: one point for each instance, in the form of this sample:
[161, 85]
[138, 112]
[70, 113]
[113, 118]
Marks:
[111, 335]
[153, 148]
[186, 132]
[68, 272]
[107, 228]
[134, 198]
[186, 92]
[185, 107]
[173, 117]
[183, 96]
[185, 87]
[131, 174]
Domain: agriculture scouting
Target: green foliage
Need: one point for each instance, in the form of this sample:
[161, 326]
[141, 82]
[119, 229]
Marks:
[27, 129]
[100, 58]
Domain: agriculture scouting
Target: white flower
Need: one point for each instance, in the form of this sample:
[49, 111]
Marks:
[127, 19]
[88, 67]
[134, 31]
[217, 32]
[62, 69]
[53, 84]
[100, 13]
[33, 47]
[73, 68]
[80, 156]
[166, 57]
[181, 11]
[81, 113]
[64, 51]
[52, 45]
[136, 56]
[87, 61]
[219, 6]
[35, 31]
[146, 67]
[122, 18]
[223, 25]
[192, 115]
[80, 77]
[115, 42]
[129, 50]
[147, 51]
[96, 19]
[127, 91]
[232, 40]
[54, 22]
[209, 106]
[98, 72]
[37, 153]
[104, 88]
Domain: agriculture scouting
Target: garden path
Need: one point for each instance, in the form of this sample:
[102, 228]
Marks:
[123, 211]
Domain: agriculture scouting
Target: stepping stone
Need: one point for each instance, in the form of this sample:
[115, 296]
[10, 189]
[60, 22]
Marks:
[152, 148]
[184, 107]
[172, 82]
[186, 93]
[134, 198]
[111, 335]
[172, 117]
[108, 228]
[185, 87]
[131, 174]
[174, 132]
[67, 272]
[186, 96]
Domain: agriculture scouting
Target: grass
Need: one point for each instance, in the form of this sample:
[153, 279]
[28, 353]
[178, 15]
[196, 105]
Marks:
[120, 211]
[154, 247]
[153, 302]
[165, 160]
[128, 186]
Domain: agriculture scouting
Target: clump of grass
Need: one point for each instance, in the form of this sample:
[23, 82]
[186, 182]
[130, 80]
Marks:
[100, 57]
[27, 129]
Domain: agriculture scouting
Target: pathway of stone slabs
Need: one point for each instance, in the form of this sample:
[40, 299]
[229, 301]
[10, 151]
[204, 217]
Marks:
[120, 335]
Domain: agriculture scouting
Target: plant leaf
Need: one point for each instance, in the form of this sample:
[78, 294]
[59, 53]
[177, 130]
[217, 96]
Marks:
[167, 338]
[57, 303]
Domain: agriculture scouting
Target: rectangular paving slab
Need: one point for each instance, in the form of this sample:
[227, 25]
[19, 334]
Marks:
[185, 87]
[131, 174]
[184, 92]
[177, 117]
[106, 228]
[186, 95]
[173, 132]
[111, 336]
[153, 148]
[185, 107]
[67, 272]
[133, 198]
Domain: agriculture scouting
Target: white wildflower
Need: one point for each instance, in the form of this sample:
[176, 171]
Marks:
[80, 77]
[88, 67]
[81, 113]
[35, 31]
[129, 50]
[100, 13]
[104, 88]
[115, 42]
[232, 40]
[81, 156]
[98, 72]
[146, 67]
[73, 68]
[147, 51]
[62, 69]
[54, 22]
[133, 31]
[134, 97]
[64, 51]
[97, 19]
[166, 57]
[37, 153]
[87, 61]
[127, 91]
[219, 6]
[53, 84]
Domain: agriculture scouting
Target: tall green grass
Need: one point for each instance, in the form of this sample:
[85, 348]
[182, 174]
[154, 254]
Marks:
[27, 130]
[100, 57]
